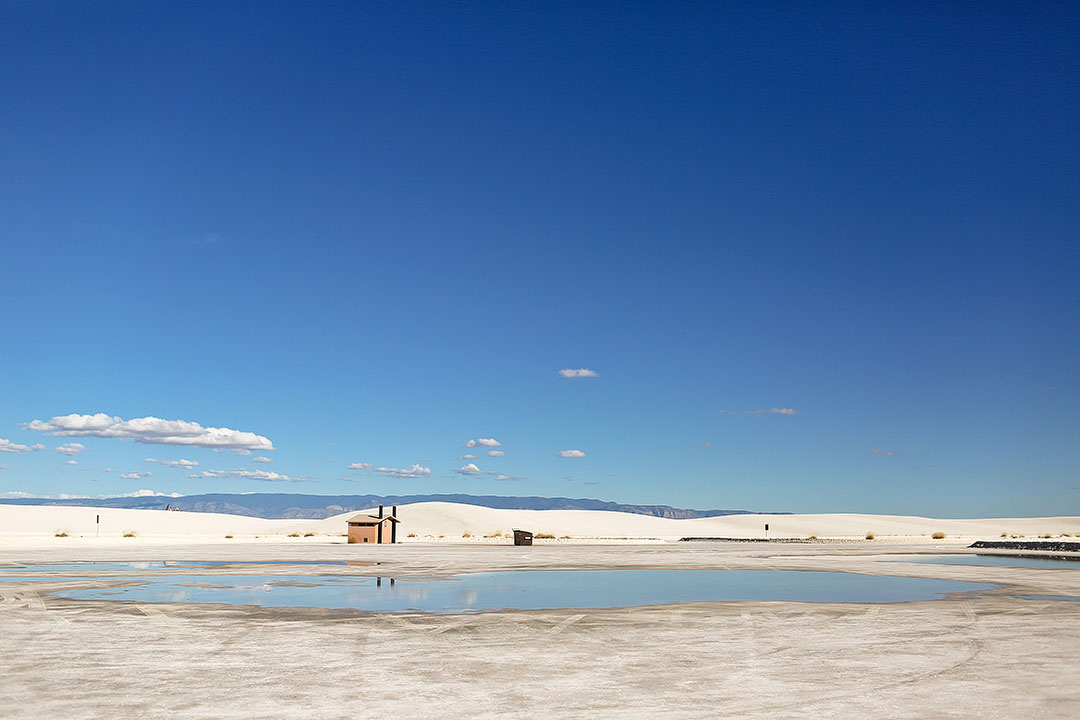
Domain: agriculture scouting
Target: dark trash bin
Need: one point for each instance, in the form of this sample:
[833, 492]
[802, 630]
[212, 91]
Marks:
[522, 537]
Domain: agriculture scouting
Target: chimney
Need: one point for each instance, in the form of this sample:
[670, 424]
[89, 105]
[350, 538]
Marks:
[380, 511]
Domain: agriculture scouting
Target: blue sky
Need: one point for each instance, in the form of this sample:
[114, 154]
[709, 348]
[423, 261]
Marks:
[369, 234]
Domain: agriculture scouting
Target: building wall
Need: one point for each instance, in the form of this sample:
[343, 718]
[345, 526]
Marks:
[364, 533]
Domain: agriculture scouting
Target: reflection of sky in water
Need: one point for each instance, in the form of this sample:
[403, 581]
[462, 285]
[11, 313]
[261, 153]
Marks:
[1005, 560]
[530, 590]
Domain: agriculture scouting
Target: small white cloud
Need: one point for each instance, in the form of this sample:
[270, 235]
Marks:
[10, 447]
[147, 493]
[135, 475]
[578, 373]
[416, 471]
[242, 451]
[71, 462]
[471, 469]
[359, 466]
[467, 456]
[17, 494]
[571, 454]
[72, 449]
[261, 459]
[482, 442]
[150, 430]
[772, 411]
[108, 470]
[496, 453]
[875, 451]
[3, 467]
[262, 475]
[503, 478]
[186, 464]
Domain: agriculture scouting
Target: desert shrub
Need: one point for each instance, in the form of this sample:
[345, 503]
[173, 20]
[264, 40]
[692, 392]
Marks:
[812, 537]
[294, 534]
[564, 537]
[228, 537]
[1004, 535]
[1046, 536]
[411, 535]
[130, 533]
[870, 536]
[544, 536]
[309, 534]
[60, 533]
[938, 535]
[466, 534]
[496, 534]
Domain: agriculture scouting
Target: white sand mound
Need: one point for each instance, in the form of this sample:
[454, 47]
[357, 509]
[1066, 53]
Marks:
[429, 521]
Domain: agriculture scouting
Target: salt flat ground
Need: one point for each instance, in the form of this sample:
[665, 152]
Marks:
[971, 656]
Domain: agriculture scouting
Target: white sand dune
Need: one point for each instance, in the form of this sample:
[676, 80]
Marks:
[450, 521]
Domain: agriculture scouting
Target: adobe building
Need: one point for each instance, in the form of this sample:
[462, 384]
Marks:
[378, 529]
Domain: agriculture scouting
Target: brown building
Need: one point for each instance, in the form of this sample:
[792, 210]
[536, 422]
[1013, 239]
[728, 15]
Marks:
[379, 528]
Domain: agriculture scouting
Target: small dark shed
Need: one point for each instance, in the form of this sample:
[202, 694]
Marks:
[522, 537]
[374, 528]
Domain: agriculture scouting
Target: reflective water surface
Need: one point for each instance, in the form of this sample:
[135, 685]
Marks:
[526, 590]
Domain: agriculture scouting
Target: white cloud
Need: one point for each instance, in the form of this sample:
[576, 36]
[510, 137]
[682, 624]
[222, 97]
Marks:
[17, 494]
[244, 451]
[471, 469]
[571, 454]
[496, 453]
[108, 469]
[151, 430]
[875, 451]
[135, 475]
[3, 467]
[261, 459]
[467, 456]
[501, 477]
[482, 442]
[578, 373]
[359, 466]
[262, 475]
[416, 471]
[10, 447]
[769, 411]
[71, 462]
[147, 493]
[72, 449]
[186, 464]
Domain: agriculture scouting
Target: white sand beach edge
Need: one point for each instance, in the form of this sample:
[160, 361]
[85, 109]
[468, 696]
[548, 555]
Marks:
[436, 521]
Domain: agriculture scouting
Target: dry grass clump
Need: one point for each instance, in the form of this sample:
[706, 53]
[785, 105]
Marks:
[466, 534]
[496, 534]
[544, 536]
[812, 537]
[309, 534]
[228, 537]
[294, 534]
[870, 536]
[411, 535]
[564, 537]
[60, 533]
[938, 535]
[130, 533]
[1004, 535]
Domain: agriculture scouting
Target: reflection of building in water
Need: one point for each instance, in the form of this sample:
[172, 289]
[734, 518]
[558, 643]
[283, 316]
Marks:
[379, 528]
[378, 582]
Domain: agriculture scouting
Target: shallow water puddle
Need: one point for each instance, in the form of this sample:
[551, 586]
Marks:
[524, 590]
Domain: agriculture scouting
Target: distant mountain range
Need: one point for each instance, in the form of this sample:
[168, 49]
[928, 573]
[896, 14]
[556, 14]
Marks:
[288, 506]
